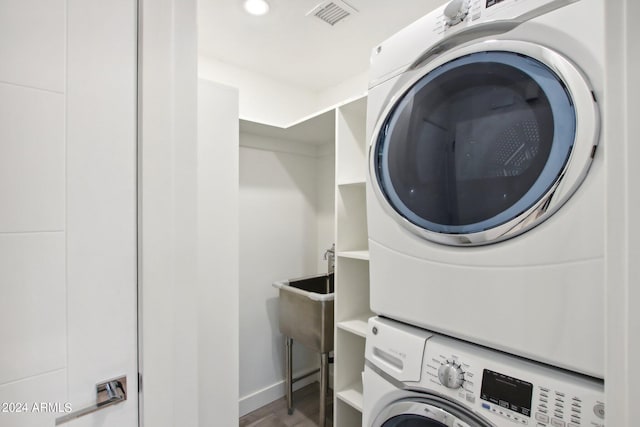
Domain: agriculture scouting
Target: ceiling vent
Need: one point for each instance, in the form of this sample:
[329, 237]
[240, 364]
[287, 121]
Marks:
[332, 11]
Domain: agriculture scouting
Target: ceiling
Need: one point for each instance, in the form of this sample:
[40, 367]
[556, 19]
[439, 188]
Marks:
[297, 49]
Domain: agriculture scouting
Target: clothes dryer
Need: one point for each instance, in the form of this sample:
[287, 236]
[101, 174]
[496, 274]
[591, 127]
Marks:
[485, 194]
[415, 378]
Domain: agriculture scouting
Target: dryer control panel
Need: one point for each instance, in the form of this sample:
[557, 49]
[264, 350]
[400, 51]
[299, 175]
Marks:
[396, 54]
[505, 389]
[458, 14]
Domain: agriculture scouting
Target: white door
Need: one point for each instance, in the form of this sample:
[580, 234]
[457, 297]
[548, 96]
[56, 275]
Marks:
[68, 293]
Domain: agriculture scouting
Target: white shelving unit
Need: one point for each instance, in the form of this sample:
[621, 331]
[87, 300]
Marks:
[352, 263]
[351, 309]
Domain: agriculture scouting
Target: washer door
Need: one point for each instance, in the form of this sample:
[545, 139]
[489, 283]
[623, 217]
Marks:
[484, 143]
[427, 412]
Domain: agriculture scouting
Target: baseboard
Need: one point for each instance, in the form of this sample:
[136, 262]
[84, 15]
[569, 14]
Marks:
[268, 394]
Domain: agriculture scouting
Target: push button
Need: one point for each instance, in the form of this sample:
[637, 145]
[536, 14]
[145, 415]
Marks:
[599, 410]
[557, 423]
[542, 417]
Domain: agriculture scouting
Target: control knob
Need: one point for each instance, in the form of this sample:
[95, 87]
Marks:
[450, 375]
[456, 11]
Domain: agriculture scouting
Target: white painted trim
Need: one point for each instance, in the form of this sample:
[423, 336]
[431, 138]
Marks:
[273, 392]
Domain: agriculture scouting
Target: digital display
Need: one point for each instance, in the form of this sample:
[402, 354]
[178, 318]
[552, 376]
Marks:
[492, 2]
[507, 392]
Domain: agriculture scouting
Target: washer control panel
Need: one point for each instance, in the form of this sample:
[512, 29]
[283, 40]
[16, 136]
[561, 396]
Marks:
[511, 389]
[505, 389]
[451, 374]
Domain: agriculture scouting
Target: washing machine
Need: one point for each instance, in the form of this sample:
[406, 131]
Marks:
[485, 191]
[415, 378]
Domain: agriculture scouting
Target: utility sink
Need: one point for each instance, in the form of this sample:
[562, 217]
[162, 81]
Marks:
[306, 311]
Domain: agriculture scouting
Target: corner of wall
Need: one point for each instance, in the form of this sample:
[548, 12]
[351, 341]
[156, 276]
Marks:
[263, 99]
[351, 88]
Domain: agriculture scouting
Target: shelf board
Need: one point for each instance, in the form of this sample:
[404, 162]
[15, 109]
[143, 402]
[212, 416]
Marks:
[356, 326]
[352, 182]
[355, 254]
[352, 396]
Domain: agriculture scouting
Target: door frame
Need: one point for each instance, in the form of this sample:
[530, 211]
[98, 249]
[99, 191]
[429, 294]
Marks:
[187, 225]
[167, 205]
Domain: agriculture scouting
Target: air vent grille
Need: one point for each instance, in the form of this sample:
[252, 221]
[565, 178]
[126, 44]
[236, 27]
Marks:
[332, 12]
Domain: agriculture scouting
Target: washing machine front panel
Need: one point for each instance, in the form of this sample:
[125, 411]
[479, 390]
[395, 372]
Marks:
[484, 143]
[495, 389]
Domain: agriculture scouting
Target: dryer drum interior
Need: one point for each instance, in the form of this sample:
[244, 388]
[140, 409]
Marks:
[475, 143]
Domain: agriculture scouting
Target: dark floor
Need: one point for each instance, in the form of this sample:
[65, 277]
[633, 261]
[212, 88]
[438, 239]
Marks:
[305, 404]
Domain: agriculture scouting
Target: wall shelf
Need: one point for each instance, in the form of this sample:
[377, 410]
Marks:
[356, 326]
[352, 395]
[363, 255]
[352, 262]
[356, 183]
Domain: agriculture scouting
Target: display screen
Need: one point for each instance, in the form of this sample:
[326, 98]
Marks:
[492, 2]
[507, 392]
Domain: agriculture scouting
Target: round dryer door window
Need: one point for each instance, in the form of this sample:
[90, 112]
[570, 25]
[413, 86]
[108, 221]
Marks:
[473, 150]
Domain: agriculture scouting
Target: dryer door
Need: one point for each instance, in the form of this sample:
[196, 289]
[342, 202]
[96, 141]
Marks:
[484, 143]
[427, 413]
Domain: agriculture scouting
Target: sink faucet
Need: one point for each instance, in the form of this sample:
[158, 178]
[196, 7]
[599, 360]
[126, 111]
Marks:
[330, 256]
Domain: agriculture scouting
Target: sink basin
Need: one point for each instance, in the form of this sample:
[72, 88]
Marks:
[306, 311]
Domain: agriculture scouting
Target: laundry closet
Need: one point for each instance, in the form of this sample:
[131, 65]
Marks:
[305, 184]
[302, 190]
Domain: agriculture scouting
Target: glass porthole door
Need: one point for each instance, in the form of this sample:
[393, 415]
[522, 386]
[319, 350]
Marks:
[473, 149]
[428, 411]
[412, 421]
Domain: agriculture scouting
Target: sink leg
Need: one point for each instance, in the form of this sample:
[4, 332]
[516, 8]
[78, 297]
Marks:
[288, 344]
[324, 387]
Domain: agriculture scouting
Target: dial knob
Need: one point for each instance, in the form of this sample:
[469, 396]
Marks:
[456, 11]
[450, 375]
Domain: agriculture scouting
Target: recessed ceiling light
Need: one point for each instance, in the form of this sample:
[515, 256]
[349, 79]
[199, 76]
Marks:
[256, 7]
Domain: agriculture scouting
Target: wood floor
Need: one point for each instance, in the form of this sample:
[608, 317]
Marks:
[305, 404]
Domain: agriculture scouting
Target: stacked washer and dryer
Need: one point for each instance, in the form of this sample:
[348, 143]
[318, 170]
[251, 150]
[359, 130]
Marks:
[485, 204]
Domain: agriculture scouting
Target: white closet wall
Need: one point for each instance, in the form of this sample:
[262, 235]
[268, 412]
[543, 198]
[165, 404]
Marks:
[286, 223]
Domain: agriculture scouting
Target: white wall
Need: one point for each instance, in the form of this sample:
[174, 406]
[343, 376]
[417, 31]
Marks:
[325, 206]
[217, 254]
[354, 87]
[280, 190]
[264, 99]
[168, 213]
